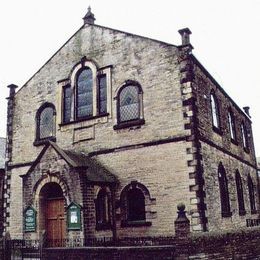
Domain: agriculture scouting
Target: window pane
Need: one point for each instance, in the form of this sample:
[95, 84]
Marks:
[136, 205]
[129, 104]
[240, 196]
[85, 93]
[67, 103]
[251, 194]
[214, 110]
[223, 187]
[231, 125]
[102, 208]
[102, 94]
[46, 123]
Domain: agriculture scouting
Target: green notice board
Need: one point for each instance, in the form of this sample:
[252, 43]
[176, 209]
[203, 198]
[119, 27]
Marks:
[74, 216]
[30, 219]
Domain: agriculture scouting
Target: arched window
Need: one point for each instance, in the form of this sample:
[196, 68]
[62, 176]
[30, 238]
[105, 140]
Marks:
[129, 104]
[102, 210]
[214, 110]
[231, 122]
[224, 194]
[135, 205]
[84, 93]
[240, 194]
[45, 121]
[244, 135]
[133, 201]
[251, 192]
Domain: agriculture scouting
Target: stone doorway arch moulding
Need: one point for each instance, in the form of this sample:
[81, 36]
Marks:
[45, 180]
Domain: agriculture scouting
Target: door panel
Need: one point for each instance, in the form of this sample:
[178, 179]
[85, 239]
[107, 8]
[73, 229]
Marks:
[55, 222]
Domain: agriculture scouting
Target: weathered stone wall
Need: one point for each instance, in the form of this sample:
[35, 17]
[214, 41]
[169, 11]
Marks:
[15, 212]
[151, 63]
[216, 147]
[211, 159]
[204, 85]
[163, 168]
[164, 171]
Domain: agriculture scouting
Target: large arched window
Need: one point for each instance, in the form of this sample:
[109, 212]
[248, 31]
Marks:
[103, 210]
[84, 93]
[224, 194]
[214, 110]
[251, 192]
[240, 194]
[45, 122]
[231, 122]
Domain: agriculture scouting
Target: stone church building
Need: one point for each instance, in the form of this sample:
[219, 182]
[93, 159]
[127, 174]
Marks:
[114, 131]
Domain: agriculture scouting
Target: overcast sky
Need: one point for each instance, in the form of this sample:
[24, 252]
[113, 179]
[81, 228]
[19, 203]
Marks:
[225, 37]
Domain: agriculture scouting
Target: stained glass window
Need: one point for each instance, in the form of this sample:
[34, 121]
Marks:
[102, 94]
[46, 123]
[129, 107]
[67, 95]
[84, 93]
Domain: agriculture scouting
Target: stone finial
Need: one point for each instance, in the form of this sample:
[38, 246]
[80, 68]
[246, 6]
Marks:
[246, 109]
[182, 223]
[185, 36]
[181, 213]
[89, 18]
[12, 88]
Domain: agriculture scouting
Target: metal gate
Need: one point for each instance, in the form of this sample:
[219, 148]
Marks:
[19, 249]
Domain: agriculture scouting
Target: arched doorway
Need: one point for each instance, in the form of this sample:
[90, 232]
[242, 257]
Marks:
[52, 220]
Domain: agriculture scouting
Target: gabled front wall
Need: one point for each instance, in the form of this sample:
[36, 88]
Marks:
[152, 64]
[161, 162]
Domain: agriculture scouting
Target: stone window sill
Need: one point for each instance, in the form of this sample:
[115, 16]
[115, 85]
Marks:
[226, 214]
[217, 130]
[83, 119]
[137, 223]
[137, 122]
[242, 212]
[246, 149]
[43, 141]
[103, 226]
[233, 141]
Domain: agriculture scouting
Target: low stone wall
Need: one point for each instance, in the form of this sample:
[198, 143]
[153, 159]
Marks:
[102, 253]
[244, 244]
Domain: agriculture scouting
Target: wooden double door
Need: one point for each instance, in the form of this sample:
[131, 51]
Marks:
[55, 221]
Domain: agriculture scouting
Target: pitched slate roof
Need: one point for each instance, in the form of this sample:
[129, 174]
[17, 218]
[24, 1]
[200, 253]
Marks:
[2, 152]
[95, 172]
